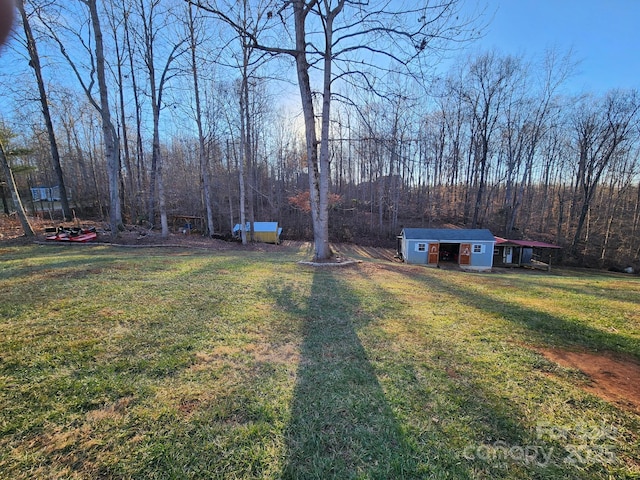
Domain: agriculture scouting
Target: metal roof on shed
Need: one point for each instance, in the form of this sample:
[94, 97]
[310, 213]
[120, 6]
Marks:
[259, 227]
[449, 234]
[524, 243]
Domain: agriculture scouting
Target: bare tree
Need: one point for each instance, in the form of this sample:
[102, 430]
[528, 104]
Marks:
[96, 72]
[484, 91]
[348, 34]
[141, 171]
[117, 16]
[202, 152]
[149, 14]
[34, 62]
[112, 150]
[619, 182]
[603, 130]
[15, 196]
[537, 111]
[71, 115]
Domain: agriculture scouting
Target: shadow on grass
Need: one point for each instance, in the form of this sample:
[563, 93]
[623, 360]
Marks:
[607, 285]
[341, 425]
[459, 425]
[542, 328]
[428, 422]
[76, 263]
[469, 401]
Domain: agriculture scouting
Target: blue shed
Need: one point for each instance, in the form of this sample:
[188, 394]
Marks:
[471, 249]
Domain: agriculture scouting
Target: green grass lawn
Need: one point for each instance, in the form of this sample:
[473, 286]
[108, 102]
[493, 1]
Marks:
[167, 363]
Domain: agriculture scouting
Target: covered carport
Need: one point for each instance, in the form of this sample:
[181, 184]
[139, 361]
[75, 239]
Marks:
[523, 253]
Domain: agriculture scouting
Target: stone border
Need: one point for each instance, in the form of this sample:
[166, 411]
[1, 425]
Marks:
[345, 263]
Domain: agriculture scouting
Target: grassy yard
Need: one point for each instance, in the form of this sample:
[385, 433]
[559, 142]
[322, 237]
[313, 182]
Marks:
[167, 363]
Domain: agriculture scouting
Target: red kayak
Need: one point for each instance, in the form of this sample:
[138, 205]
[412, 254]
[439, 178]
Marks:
[74, 235]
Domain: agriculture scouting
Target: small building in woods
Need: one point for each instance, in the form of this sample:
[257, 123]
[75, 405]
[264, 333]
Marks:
[266, 232]
[471, 249]
[523, 253]
[45, 194]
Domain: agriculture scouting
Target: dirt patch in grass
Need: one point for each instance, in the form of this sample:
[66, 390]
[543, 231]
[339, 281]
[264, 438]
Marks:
[611, 377]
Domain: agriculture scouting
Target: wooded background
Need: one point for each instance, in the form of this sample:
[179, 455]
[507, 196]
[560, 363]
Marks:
[492, 141]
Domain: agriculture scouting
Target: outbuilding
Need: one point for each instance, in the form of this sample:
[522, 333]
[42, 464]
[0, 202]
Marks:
[471, 249]
[523, 253]
[266, 232]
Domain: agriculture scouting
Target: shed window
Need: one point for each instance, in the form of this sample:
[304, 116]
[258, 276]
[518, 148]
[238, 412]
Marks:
[478, 248]
[421, 247]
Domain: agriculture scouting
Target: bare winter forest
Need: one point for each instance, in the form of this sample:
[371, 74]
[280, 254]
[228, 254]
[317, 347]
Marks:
[144, 110]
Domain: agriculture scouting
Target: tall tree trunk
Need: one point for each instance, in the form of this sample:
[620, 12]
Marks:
[202, 154]
[318, 198]
[229, 183]
[108, 130]
[5, 203]
[242, 163]
[561, 207]
[156, 161]
[156, 87]
[636, 213]
[249, 152]
[140, 177]
[131, 184]
[34, 58]
[318, 165]
[246, 147]
[481, 185]
[607, 235]
[164, 224]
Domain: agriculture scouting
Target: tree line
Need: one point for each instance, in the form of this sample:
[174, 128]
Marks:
[147, 110]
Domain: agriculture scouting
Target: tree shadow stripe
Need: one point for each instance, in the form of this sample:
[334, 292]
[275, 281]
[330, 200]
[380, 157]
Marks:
[341, 425]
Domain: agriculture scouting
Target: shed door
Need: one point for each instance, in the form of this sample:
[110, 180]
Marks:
[434, 253]
[508, 255]
[465, 253]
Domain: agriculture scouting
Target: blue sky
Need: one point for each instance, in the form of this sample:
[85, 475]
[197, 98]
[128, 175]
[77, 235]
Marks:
[603, 34]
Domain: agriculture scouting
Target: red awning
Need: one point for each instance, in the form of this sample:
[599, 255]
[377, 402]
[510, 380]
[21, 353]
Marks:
[524, 243]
